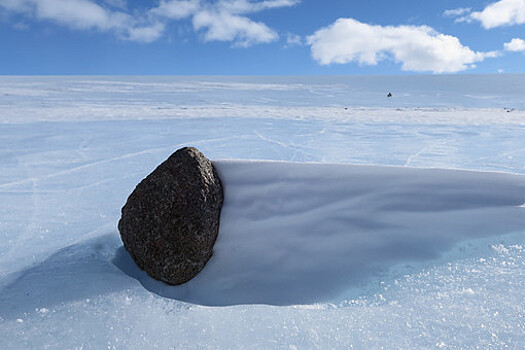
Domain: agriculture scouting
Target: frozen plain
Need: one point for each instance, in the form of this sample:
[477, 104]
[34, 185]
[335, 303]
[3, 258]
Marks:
[377, 254]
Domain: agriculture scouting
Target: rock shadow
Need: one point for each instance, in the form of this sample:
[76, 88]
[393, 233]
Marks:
[76, 272]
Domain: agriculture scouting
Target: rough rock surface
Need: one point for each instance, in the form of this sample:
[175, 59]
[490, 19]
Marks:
[171, 220]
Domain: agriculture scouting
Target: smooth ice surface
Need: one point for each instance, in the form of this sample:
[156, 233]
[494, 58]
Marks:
[443, 249]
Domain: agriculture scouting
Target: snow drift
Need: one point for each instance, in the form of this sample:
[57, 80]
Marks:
[298, 233]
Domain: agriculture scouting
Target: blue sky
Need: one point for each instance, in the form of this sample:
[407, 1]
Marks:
[269, 37]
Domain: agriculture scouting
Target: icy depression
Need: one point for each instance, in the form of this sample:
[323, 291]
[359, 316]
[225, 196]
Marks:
[350, 220]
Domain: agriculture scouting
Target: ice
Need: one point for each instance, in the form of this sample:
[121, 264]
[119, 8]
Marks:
[443, 248]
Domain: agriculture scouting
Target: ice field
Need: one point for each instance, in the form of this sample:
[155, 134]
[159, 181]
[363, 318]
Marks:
[351, 220]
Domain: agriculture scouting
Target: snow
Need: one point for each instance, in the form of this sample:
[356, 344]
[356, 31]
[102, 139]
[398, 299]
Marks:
[350, 219]
[297, 233]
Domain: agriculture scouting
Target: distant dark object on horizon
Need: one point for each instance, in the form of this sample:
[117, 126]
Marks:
[389, 95]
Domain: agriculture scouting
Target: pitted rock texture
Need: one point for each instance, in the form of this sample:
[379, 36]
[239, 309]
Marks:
[170, 221]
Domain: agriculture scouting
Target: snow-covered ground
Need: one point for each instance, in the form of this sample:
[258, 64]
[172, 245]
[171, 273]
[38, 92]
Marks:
[312, 252]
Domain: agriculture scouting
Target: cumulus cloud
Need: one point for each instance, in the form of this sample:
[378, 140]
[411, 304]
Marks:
[86, 14]
[224, 20]
[224, 26]
[515, 45]
[501, 13]
[417, 48]
[221, 20]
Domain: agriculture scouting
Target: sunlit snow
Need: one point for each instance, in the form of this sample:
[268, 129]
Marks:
[350, 219]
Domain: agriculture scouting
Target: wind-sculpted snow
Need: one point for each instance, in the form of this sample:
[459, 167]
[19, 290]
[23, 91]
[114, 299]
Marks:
[383, 253]
[295, 233]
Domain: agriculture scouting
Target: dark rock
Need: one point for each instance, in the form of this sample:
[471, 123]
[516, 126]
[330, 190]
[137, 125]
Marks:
[171, 220]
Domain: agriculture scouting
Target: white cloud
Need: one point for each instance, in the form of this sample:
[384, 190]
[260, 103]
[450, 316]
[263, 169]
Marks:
[146, 34]
[223, 26]
[81, 14]
[501, 13]
[244, 6]
[515, 45]
[417, 48]
[457, 12]
[293, 40]
[221, 20]
[177, 9]
[78, 14]
[87, 15]
[224, 20]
